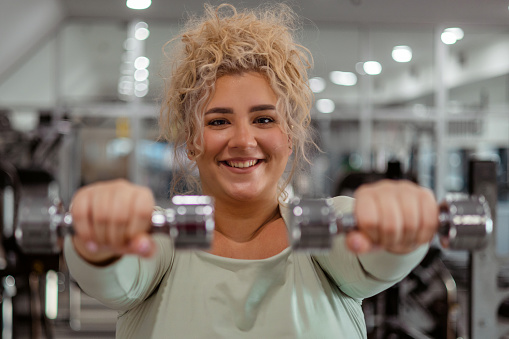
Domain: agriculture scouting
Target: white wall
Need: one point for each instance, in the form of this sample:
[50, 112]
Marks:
[24, 25]
[33, 84]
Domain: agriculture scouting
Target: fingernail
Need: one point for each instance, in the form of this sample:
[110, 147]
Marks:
[92, 246]
[144, 246]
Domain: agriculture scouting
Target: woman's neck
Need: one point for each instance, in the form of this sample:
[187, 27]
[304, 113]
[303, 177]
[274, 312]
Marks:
[242, 223]
[250, 231]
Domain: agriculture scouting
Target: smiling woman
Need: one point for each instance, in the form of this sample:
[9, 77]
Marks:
[237, 105]
[245, 149]
[257, 41]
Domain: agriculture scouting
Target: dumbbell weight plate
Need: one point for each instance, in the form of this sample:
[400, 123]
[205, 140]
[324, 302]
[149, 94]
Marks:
[465, 222]
[36, 230]
[312, 224]
[190, 221]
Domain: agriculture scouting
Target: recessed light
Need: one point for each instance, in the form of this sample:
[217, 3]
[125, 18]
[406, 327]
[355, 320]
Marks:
[372, 67]
[402, 53]
[325, 106]
[138, 4]
[343, 78]
[317, 84]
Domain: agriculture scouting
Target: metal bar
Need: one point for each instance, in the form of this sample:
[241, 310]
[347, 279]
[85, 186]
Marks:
[484, 297]
[441, 98]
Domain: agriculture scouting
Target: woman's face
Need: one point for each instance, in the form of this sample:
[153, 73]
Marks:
[245, 150]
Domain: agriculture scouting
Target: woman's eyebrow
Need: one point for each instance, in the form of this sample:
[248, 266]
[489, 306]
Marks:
[262, 108]
[219, 110]
[257, 108]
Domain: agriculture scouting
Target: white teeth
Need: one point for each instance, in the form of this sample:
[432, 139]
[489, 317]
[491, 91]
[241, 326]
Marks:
[242, 164]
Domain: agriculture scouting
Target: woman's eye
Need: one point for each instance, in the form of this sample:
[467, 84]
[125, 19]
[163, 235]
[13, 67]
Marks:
[264, 120]
[217, 122]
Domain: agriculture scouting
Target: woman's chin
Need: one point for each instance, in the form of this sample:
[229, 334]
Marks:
[247, 194]
[244, 196]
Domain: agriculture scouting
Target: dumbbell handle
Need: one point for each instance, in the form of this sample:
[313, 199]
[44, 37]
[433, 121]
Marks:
[65, 223]
[347, 222]
[464, 223]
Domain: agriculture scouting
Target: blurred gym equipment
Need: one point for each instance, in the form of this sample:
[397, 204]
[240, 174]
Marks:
[30, 283]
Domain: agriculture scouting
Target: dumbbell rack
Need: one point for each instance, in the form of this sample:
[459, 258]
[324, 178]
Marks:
[485, 265]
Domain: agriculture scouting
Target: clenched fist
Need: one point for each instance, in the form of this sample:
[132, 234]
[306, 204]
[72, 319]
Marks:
[397, 216]
[111, 219]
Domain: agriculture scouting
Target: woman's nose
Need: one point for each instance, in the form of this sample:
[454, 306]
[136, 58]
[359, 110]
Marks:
[243, 136]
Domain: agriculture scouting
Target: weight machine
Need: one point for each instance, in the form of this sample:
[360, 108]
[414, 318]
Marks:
[28, 164]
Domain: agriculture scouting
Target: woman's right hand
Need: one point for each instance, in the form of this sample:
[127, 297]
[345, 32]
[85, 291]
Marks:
[111, 219]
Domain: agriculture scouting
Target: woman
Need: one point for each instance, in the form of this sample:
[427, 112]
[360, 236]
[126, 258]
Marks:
[238, 107]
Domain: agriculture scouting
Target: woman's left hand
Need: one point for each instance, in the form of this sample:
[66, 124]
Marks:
[396, 216]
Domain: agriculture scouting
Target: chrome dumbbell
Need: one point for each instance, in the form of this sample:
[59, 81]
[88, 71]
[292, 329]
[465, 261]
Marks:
[43, 223]
[464, 223]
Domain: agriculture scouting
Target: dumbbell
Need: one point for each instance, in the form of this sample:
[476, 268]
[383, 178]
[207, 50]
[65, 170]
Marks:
[464, 223]
[42, 224]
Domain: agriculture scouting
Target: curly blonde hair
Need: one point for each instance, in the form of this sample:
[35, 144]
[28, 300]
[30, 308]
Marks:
[225, 41]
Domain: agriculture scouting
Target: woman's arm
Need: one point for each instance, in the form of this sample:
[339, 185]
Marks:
[367, 262]
[111, 255]
[126, 282]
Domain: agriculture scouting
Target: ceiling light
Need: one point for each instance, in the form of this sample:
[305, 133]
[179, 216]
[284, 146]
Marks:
[141, 75]
[325, 106]
[141, 87]
[141, 62]
[448, 38]
[317, 84]
[343, 78]
[138, 4]
[141, 31]
[402, 53]
[142, 93]
[451, 35]
[372, 67]
[458, 32]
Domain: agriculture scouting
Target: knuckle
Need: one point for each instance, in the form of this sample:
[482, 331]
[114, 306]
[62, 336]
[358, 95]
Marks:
[120, 220]
[115, 226]
[367, 222]
[390, 230]
[101, 218]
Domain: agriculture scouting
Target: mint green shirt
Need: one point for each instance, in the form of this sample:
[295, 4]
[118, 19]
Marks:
[194, 294]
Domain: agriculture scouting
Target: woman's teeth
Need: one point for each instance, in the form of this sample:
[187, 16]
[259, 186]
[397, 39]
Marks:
[242, 164]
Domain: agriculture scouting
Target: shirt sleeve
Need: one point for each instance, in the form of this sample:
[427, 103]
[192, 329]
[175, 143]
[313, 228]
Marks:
[125, 283]
[365, 275]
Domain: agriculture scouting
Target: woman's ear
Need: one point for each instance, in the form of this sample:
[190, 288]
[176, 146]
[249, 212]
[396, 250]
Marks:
[190, 154]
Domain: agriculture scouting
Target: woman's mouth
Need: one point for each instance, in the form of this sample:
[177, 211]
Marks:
[241, 164]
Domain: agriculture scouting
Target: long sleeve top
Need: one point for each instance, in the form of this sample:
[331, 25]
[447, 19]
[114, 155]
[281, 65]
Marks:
[195, 294]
